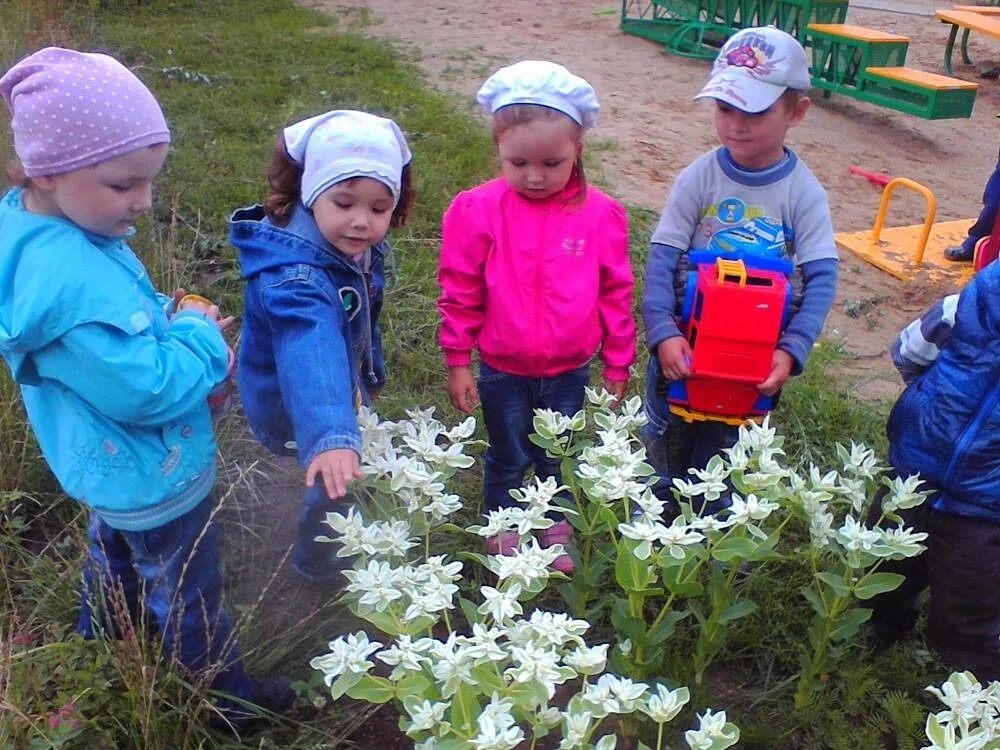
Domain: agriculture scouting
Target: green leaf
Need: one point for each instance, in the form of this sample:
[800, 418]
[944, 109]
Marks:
[468, 606]
[736, 610]
[632, 573]
[874, 584]
[672, 580]
[372, 689]
[835, 582]
[813, 598]
[487, 678]
[845, 626]
[666, 627]
[464, 709]
[344, 683]
[625, 624]
[732, 548]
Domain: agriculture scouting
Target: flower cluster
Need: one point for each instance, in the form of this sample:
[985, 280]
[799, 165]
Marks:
[972, 719]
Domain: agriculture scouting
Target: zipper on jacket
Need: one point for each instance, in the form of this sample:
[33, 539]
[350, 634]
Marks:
[970, 432]
[539, 279]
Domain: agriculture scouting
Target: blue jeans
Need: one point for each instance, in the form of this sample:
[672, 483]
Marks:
[509, 403]
[991, 204]
[673, 446]
[317, 561]
[171, 575]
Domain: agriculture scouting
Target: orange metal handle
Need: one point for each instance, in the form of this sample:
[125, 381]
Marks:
[883, 206]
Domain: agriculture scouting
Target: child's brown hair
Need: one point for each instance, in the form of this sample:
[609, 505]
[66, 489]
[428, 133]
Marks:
[509, 117]
[284, 180]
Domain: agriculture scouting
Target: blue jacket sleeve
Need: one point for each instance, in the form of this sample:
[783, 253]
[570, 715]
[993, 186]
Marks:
[819, 287]
[659, 300]
[921, 341]
[313, 366]
[139, 378]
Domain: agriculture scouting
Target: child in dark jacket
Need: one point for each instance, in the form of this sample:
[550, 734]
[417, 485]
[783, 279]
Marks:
[946, 427]
[313, 260]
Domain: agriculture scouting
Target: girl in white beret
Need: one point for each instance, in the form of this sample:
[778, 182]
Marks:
[535, 275]
[313, 260]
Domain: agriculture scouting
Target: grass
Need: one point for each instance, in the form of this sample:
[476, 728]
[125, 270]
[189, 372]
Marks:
[228, 80]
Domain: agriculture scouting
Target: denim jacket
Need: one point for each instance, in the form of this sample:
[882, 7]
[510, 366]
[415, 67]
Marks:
[311, 347]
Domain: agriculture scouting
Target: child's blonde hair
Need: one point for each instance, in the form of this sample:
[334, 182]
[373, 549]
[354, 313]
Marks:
[509, 117]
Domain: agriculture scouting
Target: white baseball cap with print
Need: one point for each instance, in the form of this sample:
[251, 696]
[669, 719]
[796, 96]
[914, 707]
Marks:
[755, 67]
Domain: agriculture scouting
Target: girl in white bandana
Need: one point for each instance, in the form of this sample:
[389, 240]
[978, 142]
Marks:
[313, 260]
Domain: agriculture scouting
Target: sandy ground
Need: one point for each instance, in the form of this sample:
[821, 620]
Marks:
[652, 128]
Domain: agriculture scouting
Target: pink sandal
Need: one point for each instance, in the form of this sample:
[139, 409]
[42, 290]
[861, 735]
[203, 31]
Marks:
[559, 533]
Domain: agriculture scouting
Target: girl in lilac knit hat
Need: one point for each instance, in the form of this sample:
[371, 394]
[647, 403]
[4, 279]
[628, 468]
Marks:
[115, 377]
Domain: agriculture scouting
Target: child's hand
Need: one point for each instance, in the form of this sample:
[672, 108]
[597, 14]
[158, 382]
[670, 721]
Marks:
[203, 305]
[781, 369]
[337, 468]
[674, 355]
[616, 388]
[462, 389]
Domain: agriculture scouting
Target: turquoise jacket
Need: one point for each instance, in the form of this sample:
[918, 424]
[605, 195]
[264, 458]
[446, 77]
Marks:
[114, 390]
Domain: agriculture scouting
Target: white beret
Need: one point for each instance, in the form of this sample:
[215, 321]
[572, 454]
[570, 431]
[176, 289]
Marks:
[541, 82]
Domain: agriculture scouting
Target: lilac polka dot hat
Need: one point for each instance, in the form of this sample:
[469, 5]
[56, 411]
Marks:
[75, 109]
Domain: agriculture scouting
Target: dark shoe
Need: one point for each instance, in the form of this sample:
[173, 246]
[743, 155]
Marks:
[959, 253]
[268, 696]
[331, 569]
[273, 694]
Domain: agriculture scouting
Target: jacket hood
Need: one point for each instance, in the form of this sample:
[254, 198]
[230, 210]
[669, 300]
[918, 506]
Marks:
[45, 264]
[262, 245]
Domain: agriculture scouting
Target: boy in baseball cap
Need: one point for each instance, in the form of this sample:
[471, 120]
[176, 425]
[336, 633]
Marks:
[751, 186]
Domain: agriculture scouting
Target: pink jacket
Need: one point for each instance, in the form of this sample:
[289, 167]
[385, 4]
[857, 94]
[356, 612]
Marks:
[537, 286]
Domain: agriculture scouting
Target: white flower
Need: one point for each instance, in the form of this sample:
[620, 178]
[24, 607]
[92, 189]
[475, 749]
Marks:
[713, 733]
[587, 659]
[497, 728]
[532, 663]
[425, 716]
[861, 460]
[451, 666]
[901, 542]
[576, 727]
[528, 565]
[404, 656]
[600, 398]
[677, 536]
[751, 508]
[556, 628]
[856, 538]
[903, 494]
[347, 654]
[500, 605]
[821, 529]
[482, 644]
[613, 695]
[550, 424]
[665, 704]
[645, 532]
[607, 742]
[379, 584]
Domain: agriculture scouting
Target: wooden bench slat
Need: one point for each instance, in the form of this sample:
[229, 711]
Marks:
[969, 20]
[922, 78]
[857, 32]
[983, 10]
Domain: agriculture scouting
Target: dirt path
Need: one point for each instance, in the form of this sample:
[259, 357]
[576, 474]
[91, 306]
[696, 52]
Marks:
[653, 129]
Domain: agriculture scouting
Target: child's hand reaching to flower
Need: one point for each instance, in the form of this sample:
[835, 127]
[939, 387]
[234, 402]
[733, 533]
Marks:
[781, 369]
[616, 388]
[462, 389]
[674, 355]
[337, 468]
